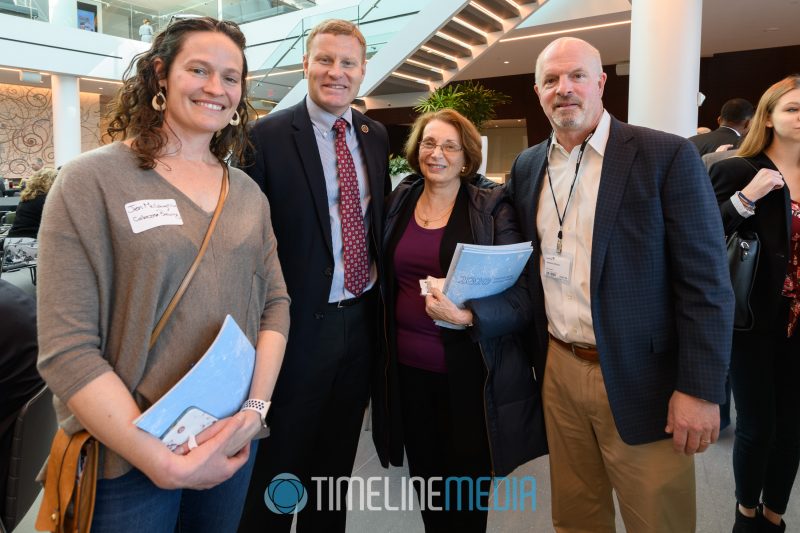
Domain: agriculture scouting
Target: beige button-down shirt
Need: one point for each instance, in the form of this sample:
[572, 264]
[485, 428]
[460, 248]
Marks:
[568, 304]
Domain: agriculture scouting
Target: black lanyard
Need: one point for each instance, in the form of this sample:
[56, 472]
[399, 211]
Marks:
[562, 216]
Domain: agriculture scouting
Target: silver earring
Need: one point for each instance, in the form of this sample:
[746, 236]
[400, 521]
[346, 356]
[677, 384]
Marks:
[159, 101]
[235, 119]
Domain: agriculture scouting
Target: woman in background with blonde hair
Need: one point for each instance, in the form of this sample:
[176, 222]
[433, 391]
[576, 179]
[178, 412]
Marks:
[31, 205]
[759, 192]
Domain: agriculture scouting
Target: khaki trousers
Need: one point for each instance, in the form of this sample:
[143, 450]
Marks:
[655, 486]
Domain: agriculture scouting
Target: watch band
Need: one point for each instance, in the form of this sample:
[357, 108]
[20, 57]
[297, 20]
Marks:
[259, 406]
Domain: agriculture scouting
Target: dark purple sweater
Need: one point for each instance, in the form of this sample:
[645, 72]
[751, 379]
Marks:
[419, 343]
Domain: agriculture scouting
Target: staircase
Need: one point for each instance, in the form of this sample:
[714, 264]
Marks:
[412, 50]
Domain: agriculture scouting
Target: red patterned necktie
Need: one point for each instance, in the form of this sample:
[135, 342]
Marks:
[354, 239]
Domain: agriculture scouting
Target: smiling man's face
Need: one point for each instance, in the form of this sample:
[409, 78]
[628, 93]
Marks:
[335, 67]
[569, 83]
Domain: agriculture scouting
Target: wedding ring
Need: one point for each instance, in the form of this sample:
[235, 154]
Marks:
[705, 442]
[192, 442]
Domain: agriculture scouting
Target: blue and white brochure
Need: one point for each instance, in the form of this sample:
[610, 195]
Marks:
[478, 271]
[217, 385]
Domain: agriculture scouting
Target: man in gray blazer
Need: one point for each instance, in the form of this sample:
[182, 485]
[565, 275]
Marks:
[633, 303]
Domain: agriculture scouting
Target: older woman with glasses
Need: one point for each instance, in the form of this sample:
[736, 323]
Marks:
[462, 403]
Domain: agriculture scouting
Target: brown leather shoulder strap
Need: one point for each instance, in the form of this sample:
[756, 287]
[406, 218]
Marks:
[223, 194]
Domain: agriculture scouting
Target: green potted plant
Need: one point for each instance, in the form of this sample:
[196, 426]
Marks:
[469, 98]
[398, 169]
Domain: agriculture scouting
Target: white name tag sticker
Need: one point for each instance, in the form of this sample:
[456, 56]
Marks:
[557, 266]
[148, 214]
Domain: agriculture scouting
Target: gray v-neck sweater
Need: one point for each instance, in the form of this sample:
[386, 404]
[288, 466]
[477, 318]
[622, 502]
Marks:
[102, 287]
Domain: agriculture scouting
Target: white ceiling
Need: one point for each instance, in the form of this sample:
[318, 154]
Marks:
[728, 26]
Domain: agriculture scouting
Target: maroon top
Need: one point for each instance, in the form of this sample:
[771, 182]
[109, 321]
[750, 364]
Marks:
[419, 343]
[791, 286]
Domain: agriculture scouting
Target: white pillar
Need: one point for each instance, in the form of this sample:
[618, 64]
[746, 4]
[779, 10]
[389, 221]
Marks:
[665, 64]
[66, 118]
[64, 13]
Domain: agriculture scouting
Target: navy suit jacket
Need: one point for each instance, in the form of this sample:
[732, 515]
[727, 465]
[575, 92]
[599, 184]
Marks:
[287, 166]
[661, 299]
[707, 143]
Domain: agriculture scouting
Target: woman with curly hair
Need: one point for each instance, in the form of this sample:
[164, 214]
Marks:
[121, 227]
[29, 211]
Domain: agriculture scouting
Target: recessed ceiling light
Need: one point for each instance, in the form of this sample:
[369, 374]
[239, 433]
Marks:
[506, 62]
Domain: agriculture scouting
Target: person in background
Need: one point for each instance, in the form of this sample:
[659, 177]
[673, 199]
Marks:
[733, 120]
[121, 227]
[632, 303]
[19, 380]
[31, 204]
[462, 403]
[37, 165]
[759, 191]
[146, 31]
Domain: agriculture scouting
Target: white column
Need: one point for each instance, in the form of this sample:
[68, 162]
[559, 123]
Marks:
[665, 64]
[66, 118]
[64, 13]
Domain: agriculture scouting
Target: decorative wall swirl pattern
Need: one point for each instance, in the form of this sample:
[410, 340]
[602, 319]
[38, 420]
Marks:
[26, 127]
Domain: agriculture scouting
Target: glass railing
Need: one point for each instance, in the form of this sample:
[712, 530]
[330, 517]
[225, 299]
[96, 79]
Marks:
[379, 21]
[30, 9]
[124, 19]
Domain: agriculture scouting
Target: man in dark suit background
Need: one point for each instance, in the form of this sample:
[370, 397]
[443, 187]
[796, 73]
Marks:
[324, 169]
[733, 120]
[633, 303]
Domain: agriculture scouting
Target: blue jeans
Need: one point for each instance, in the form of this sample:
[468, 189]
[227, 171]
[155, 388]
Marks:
[132, 503]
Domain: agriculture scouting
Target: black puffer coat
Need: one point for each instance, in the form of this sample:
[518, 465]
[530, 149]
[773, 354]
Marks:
[512, 403]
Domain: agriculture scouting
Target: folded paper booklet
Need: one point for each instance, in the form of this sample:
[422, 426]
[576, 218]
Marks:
[478, 271]
[215, 388]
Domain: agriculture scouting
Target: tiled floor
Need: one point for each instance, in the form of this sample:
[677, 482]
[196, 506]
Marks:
[713, 471]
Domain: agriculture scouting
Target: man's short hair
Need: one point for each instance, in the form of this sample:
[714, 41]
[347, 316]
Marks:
[338, 27]
[737, 110]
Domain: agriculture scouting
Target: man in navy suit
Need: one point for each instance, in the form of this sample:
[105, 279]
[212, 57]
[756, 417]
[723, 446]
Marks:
[734, 122]
[319, 162]
[633, 304]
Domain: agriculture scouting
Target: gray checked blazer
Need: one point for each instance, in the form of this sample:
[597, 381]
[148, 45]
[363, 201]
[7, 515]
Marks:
[661, 298]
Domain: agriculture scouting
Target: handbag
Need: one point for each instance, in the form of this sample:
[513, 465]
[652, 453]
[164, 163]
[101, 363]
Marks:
[743, 251]
[70, 488]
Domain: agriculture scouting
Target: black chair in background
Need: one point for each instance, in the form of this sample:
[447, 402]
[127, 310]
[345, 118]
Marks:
[33, 434]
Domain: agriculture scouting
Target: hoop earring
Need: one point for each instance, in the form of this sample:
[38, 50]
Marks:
[235, 119]
[159, 105]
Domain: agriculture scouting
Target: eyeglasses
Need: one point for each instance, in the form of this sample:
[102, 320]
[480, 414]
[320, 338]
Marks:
[429, 146]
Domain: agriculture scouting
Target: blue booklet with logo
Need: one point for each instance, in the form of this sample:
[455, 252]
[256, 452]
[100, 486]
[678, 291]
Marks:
[216, 387]
[478, 271]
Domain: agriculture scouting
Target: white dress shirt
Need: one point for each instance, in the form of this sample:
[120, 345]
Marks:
[568, 304]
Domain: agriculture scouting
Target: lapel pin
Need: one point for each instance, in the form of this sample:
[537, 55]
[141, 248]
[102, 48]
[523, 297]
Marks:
[365, 128]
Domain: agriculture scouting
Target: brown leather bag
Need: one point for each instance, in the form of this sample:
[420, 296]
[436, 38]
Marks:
[71, 485]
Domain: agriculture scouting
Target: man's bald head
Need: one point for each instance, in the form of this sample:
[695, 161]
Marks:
[569, 43]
